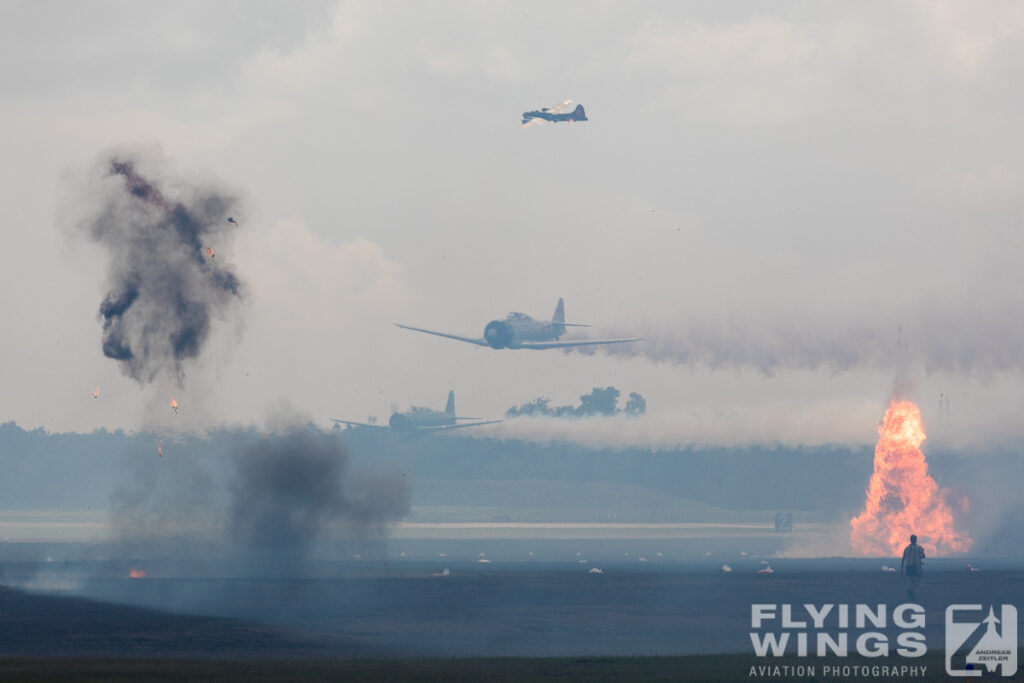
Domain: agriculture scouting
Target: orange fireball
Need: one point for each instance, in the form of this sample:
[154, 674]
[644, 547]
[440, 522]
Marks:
[174, 404]
[902, 498]
[136, 574]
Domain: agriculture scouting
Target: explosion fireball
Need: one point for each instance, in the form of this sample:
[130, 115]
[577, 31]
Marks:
[902, 498]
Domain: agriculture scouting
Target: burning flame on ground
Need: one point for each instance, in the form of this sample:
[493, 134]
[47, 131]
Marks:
[136, 574]
[902, 498]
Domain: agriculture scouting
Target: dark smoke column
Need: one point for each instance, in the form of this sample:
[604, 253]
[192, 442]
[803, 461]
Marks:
[293, 488]
[165, 287]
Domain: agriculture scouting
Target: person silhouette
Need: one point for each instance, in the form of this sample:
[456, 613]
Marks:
[912, 564]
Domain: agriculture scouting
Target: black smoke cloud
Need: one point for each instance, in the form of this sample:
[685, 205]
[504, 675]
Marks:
[979, 338]
[165, 288]
[294, 487]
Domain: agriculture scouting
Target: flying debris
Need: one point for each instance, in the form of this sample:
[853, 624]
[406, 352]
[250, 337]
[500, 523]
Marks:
[233, 221]
[160, 449]
[96, 392]
[554, 114]
[520, 331]
[209, 252]
[422, 420]
[174, 405]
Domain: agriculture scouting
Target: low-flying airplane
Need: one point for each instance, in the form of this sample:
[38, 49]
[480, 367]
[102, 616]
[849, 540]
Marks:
[554, 114]
[520, 331]
[421, 420]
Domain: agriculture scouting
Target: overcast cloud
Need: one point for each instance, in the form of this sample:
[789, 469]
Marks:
[794, 171]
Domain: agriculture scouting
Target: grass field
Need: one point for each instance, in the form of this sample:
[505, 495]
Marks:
[496, 622]
[695, 668]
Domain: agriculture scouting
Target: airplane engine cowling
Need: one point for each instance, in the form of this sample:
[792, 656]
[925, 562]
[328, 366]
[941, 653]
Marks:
[497, 334]
[400, 423]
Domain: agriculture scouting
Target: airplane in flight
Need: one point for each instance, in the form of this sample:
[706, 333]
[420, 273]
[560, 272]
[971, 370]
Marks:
[554, 114]
[520, 331]
[422, 420]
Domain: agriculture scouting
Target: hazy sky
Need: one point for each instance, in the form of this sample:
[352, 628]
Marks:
[794, 202]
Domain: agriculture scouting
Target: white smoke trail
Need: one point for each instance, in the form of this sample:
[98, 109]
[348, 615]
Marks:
[977, 338]
[834, 422]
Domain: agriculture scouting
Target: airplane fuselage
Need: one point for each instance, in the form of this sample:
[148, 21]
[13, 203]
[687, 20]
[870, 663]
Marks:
[517, 328]
[418, 417]
[577, 114]
[520, 331]
[420, 420]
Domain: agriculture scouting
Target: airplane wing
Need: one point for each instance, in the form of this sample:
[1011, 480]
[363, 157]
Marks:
[470, 340]
[469, 424]
[581, 342]
[560, 107]
[533, 122]
[358, 424]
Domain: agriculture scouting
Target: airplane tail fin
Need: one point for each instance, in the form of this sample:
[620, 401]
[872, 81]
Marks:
[579, 114]
[449, 408]
[559, 316]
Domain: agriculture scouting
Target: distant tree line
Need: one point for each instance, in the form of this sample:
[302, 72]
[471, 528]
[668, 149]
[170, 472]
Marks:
[597, 402]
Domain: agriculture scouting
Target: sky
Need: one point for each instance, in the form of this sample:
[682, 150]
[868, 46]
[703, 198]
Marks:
[800, 207]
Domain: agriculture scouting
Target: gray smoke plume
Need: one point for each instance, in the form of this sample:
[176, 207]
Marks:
[978, 338]
[268, 500]
[166, 282]
[292, 488]
[168, 506]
